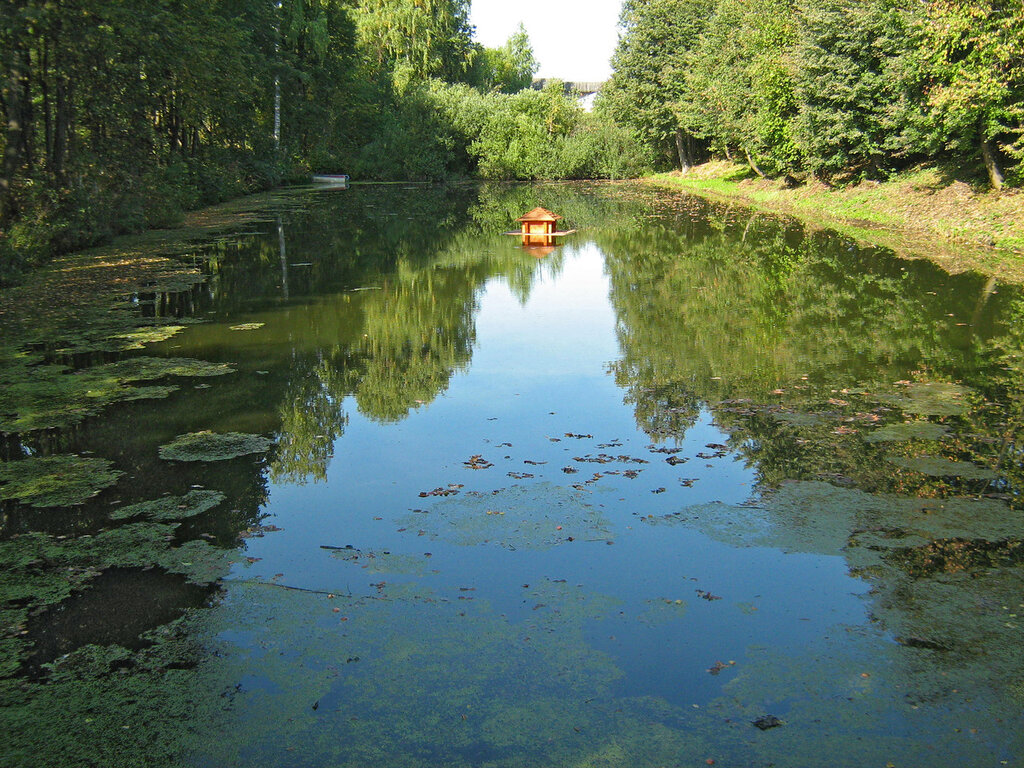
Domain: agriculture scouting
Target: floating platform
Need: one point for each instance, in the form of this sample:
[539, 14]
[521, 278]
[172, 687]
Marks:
[334, 179]
[542, 234]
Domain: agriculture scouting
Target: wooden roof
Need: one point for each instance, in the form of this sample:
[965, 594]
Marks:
[540, 214]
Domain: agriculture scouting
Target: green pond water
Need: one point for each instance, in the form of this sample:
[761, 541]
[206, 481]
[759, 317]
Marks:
[696, 485]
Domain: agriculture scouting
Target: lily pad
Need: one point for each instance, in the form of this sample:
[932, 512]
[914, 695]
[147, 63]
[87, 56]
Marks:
[172, 507]
[247, 326]
[213, 446]
[56, 481]
[910, 430]
[936, 466]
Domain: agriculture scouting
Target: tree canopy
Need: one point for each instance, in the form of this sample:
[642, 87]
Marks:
[837, 89]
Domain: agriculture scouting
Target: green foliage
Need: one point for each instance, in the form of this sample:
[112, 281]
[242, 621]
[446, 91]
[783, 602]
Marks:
[646, 91]
[416, 137]
[972, 62]
[841, 90]
[508, 69]
[430, 38]
[848, 84]
[739, 86]
[437, 131]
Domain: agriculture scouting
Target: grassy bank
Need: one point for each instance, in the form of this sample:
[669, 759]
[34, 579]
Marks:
[922, 213]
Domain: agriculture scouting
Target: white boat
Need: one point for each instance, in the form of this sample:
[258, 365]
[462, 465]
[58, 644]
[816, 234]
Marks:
[335, 179]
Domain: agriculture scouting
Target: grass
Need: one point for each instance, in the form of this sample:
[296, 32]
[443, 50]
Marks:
[925, 212]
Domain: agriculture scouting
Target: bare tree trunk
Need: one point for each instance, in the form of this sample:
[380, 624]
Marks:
[44, 92]
[995, 175]
[685, 161]
[15, 127]
[746, 229]
[61, 128]
[753, 165]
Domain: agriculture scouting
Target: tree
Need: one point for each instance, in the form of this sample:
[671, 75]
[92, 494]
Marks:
[416, 38]
[508, 69]
[739, 91]
[848, 84]
[973, 62]
[646, 90]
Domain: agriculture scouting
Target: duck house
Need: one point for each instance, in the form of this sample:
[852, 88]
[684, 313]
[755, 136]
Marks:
[538, 227]
[539, 221]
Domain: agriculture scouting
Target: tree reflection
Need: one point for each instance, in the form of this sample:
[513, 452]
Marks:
[312, 418]
[799, 344]
[395, 341]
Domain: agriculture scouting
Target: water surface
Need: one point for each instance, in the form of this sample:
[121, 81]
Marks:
[608, 504]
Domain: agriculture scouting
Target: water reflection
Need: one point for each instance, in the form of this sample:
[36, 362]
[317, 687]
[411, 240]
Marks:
[599, 508]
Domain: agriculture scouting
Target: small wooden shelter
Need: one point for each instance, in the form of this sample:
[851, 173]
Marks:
[539, 221]
[538, 228]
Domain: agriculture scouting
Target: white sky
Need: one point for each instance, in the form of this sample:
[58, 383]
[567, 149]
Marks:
[572, 39]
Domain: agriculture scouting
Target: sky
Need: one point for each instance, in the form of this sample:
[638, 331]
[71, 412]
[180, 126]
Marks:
[572, 39]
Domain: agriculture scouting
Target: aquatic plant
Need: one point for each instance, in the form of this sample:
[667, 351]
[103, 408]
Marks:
[56, 481]
[172, 507]
[34, 396]
[213, 446]
[909, 430]
[937, 466]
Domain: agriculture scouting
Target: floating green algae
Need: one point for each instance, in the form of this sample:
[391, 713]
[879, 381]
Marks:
[213, 446]
[427, 681]
[909, 430]
[930, 399]
[381, 561]
[89, 711]
[74, 560]
[138, 338]
[937, 466]
[56, 481]
[797, 419]
[958, 555]
[663, 610]
[847, 691]
[147, 368]
[818, 517]
[34, 396]
[39, 570]
[172, 507]
[538, 516]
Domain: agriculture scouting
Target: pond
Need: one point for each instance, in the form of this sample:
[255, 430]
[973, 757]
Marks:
[697, 486]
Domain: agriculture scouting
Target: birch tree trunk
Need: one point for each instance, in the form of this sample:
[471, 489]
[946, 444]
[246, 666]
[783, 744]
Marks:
[685, 162]
[995, 175]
